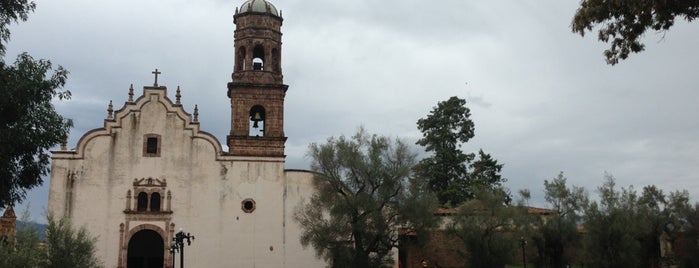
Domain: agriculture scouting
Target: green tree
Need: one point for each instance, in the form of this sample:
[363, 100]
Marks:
[625, 21]
[68, 247]
[29, 123]
[558, 233]
[364, 198]
[452, 174]
[64, 246]
[612, 228]
[664, 219]
[489, 228]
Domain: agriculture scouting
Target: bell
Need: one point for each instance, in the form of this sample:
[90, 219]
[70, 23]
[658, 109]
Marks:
[255, 119]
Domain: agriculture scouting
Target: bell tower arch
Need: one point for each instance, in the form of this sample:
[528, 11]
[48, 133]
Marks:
[257, 90]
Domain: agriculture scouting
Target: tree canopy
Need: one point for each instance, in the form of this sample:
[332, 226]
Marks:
[29, 123]
[12, 11]
[452, 174]
[623, 22]
[363, 199]
[489, 228]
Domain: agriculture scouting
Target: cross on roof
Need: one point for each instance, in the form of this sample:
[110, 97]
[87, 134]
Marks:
[156, 73]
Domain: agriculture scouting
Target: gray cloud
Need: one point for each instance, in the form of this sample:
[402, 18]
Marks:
[542, 98]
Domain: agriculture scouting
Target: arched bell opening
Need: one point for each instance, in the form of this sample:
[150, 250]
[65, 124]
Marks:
[275, 61]
[257, 121]
[240, 63]
[258, 58]
[146, 250]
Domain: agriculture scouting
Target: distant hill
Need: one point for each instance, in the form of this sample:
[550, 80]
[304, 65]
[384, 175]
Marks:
[40, 228]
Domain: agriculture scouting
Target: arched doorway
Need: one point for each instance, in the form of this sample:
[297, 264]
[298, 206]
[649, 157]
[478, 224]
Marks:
[146, 249]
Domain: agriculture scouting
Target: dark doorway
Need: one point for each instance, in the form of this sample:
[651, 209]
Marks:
[146, 249]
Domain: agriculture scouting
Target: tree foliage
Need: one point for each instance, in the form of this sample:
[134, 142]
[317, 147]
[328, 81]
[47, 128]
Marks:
[68, 247]
[489, 228]
[452, 174]
[626, 229]
[363, 196]
[64, 247]
[12, 11]
[625, 21]
[558, 234]
[29, 123]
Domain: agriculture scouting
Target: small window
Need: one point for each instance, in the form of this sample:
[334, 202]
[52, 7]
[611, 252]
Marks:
[155, 202]
[142, 203]
[151, 145]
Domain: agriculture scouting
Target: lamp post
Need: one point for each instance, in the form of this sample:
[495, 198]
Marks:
[173, 249]
[178, 244]
[523, 243]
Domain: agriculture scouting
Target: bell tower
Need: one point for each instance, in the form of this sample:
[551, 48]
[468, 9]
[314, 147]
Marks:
[257, 91]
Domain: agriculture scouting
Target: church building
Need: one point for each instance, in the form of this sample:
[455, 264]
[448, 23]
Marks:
[151, 170]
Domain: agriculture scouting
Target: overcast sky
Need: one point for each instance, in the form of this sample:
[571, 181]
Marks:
[542, 98]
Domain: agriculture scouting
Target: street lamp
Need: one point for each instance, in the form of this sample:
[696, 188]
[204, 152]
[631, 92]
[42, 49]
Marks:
[523, 243]
[178, 244]
[173, 249]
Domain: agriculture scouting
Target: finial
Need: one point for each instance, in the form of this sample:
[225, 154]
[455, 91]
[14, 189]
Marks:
[156, 73]
[196, 113]
[280, 14]
[178, 96]
[110, 110]
[131, 93]
[64, 144]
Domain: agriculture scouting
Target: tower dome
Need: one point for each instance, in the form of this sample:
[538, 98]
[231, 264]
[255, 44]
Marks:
[258, 6]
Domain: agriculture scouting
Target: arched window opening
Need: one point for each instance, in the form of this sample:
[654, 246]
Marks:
[257, 121]
[275, 61]
[142, 203]
[258, 58]
[240, 65]
[155, 202]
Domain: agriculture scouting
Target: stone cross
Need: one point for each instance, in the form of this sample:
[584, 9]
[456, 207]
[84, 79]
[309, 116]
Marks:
[156, 73]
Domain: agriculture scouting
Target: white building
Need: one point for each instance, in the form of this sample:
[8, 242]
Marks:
[151, 170]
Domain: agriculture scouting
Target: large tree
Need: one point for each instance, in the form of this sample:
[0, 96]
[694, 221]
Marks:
[29, 123]
[623, 22]
[453, 174]
[363, 200]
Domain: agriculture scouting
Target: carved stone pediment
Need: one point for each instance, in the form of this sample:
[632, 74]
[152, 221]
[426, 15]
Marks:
[149, 182]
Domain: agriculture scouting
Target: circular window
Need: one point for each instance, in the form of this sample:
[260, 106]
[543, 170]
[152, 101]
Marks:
[248, 205]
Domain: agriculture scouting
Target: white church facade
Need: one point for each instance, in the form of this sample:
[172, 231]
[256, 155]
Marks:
[150, 170]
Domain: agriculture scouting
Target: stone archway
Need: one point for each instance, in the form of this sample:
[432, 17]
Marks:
[146, 249]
